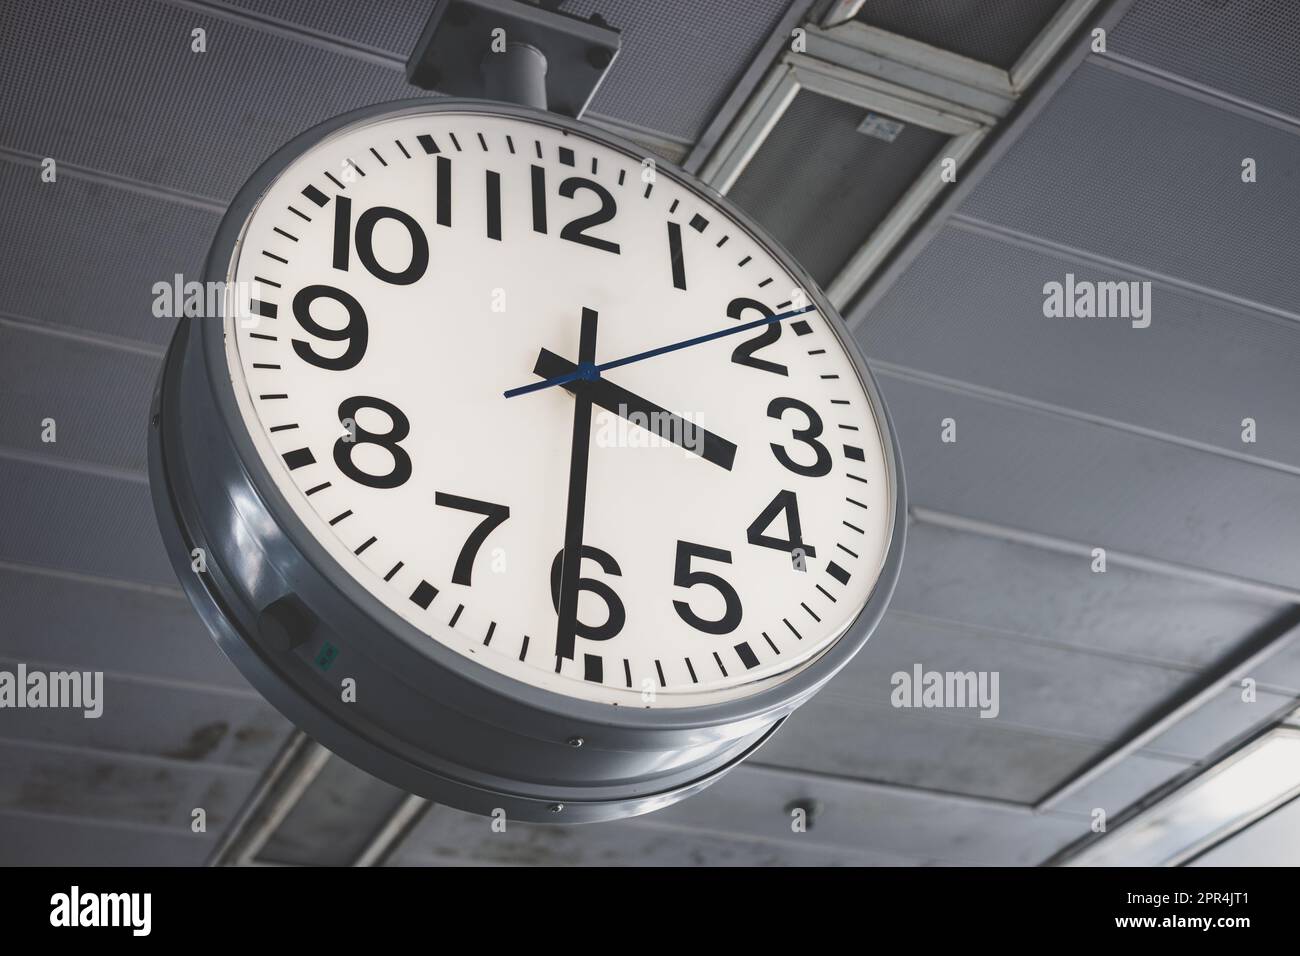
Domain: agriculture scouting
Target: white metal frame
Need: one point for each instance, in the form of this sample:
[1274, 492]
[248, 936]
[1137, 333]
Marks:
[839, 23]
[796, 72]
[850, 61]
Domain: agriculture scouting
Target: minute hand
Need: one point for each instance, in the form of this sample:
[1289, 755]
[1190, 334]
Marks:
[588, 372]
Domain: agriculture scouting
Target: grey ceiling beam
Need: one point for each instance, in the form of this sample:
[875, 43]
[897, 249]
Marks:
[1273, 638]
[777, 42]
[393, 831]
[851, 61]
[280, 788]
[1067, 31]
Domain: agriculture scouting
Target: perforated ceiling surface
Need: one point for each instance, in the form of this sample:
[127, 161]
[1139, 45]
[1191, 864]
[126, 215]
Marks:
[992, 31]
[1069, 436]
[1146, 167]
[1247, 50]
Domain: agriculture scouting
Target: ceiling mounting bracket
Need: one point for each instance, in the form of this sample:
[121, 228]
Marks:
[530, 54]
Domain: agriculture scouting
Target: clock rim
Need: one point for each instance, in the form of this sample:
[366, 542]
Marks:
[772, 700]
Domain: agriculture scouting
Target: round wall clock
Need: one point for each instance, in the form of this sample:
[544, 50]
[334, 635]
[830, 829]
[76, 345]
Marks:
[519, 470]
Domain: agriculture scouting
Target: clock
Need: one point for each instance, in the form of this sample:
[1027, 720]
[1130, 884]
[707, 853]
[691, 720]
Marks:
[520, 469]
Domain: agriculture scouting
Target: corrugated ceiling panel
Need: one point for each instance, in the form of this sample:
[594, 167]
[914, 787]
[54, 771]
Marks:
[98, 398]
[87, 785]
[391, 26]
[989, 583]
[103, 627]
[1095, 485]
[1040, 686]
[1247, 48]
[203, 727]
[38, 840]
[125, 94]
[84, 254]
[971, 308]
[752, 801]
[1131, 171]
[927, 749]
[447, 837]
[72, 521]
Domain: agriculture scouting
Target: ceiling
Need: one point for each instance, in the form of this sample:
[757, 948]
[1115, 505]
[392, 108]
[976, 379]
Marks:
[1071, 435]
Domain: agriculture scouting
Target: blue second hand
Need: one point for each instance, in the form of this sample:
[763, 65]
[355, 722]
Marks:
[593, 372]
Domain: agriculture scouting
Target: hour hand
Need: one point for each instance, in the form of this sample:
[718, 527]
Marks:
[653, 418]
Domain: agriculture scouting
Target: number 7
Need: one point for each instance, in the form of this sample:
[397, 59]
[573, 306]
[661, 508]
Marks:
[493, 516]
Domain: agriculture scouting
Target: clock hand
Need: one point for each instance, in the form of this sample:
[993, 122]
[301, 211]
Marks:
[567, 605]
[622, 402]
[589, 371]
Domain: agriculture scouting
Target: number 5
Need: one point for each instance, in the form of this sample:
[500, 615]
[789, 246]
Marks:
[684, 577]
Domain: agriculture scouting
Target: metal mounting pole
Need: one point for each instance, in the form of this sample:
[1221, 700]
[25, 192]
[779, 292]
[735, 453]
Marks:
[523, 53]
[516, 75]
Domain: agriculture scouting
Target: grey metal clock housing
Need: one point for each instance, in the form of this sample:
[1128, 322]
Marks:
[425, 718]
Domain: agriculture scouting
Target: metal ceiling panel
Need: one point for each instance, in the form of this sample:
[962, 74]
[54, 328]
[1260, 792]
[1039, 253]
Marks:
[1041, 686]
[334, 819]
[389, 26]
[72, 783]
[821, 186]
[671, 74]
[1219, 722]
[1129, 170]
[77, 91]
[751, 803]
[73, 521]
[447, 837]
[1128, 781]
[98, 398]
[1282, 670]
[212, 728]
[114, 241]
[932, 750]
[1246, 48]
[28, 839]
[1024, 468]
[1199, 369]
[992, 31]
[98, 626]
[989, 583]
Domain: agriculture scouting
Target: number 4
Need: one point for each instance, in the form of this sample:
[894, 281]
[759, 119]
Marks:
[785, 501]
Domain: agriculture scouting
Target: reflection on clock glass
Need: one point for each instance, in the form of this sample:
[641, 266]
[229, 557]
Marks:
[730, 498]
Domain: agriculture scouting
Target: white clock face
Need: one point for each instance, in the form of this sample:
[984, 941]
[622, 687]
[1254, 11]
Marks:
[732, 499]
